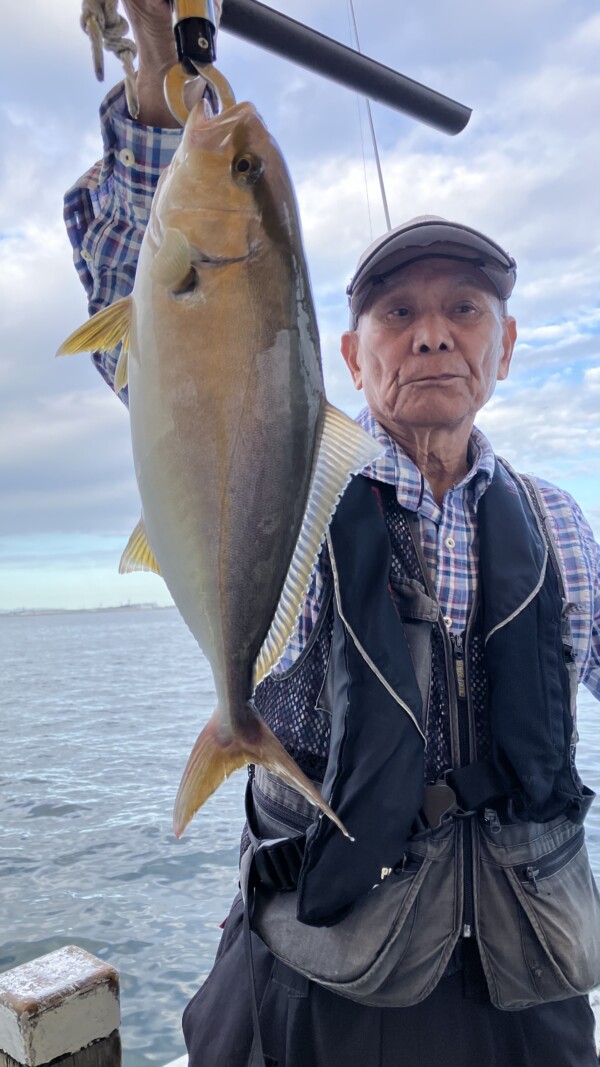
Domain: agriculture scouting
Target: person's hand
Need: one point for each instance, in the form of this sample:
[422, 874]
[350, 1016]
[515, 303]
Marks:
[150, 22]
[151, 26]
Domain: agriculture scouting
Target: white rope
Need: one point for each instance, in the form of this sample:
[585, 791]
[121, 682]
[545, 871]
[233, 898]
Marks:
[107, 29]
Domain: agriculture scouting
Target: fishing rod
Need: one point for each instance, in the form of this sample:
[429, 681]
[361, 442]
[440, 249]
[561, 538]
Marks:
[195, 34]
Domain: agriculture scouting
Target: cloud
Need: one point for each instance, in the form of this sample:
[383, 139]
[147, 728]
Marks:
[524, 170]
[549, 425]
[65, 464]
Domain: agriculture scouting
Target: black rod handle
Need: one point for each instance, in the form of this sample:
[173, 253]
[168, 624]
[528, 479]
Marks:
[293, 40]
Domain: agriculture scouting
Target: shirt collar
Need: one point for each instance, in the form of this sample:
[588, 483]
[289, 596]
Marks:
[396, 468]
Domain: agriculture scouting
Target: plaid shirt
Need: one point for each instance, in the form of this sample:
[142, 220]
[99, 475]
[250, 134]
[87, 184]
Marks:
[107, 210]
[450, 546]
[106, 213]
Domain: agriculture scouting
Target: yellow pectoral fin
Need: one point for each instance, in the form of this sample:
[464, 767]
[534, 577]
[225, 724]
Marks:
[138, 556]
[103, 331]
[173, 261]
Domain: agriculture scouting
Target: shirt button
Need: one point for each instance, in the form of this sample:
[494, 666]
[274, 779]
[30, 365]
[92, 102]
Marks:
[450, 542]
[447, 621]
[127, 157]
[85, 254]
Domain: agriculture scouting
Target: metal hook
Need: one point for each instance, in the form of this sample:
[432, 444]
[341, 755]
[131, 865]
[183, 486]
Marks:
[177, 79]
[195, 30]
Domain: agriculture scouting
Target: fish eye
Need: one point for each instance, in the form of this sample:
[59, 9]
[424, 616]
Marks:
[247, 168]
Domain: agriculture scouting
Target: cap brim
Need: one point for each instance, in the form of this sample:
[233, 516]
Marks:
[432, 238]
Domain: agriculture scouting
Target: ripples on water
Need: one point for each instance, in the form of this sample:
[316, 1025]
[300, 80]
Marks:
[98, 713]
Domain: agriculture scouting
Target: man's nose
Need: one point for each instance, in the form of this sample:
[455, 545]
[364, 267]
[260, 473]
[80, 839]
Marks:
[432, 334]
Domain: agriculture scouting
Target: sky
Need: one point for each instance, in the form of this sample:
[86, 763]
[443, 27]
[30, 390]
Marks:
[525, 171]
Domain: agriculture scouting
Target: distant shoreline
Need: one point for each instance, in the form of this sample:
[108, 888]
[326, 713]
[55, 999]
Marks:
[84, 611]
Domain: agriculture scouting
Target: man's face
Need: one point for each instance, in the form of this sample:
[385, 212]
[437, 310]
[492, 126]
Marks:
[430, 346]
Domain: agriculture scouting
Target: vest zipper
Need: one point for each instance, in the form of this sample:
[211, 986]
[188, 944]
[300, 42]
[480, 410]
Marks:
[460, 716]
[553, 862]
[458, 649]
[464, 755]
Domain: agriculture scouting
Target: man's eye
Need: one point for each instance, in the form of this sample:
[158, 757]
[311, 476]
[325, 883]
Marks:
[399, 313]
[464, 309]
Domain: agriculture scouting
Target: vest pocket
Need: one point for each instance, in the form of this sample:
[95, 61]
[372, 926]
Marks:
[538, 913]
[394, 945]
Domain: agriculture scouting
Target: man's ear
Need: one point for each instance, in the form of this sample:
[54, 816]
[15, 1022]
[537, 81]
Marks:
[509, 338]
[349, 350]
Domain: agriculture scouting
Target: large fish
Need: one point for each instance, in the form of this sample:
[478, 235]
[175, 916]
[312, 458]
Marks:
[239, 458]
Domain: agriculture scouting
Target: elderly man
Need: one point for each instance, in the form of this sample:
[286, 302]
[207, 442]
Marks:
[430, 685]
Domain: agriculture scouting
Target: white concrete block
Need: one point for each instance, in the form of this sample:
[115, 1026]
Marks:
[57, 1004]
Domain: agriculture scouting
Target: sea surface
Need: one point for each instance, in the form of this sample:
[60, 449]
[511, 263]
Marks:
[98, 712]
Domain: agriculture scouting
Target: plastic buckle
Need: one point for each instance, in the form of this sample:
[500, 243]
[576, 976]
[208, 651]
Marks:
[278, 861]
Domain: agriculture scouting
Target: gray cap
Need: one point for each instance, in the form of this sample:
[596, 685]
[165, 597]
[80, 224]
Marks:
[419, 238]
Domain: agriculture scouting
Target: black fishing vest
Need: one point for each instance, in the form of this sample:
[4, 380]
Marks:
[358, 684]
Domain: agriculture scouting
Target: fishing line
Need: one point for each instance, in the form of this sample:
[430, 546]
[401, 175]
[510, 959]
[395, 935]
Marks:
[362, 145]
[373, 137]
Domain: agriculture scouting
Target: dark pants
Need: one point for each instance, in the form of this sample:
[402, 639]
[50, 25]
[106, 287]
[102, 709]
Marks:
[304, 1025]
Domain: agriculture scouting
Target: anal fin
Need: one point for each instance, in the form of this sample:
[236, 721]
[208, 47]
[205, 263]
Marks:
[138, 556]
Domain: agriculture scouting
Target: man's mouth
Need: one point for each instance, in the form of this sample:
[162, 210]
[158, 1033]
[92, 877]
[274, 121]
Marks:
[434, 378]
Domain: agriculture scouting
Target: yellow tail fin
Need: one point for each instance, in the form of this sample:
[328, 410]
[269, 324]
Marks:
[211, 761]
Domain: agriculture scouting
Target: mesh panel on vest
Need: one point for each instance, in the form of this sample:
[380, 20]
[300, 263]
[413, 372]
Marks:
[287, 703]
[405, 562]
[438, 754]
[479, 694]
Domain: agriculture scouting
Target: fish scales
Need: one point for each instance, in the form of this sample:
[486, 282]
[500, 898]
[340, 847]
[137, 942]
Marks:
[239, 458]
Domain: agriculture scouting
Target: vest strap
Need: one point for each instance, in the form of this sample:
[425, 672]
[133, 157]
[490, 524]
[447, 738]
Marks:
[276, 862]
[476, 785]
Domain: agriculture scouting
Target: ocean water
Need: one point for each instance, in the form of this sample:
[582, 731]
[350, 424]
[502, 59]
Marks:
[98, 712]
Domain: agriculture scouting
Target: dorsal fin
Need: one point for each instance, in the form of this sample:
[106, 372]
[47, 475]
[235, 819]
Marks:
[344, 448]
